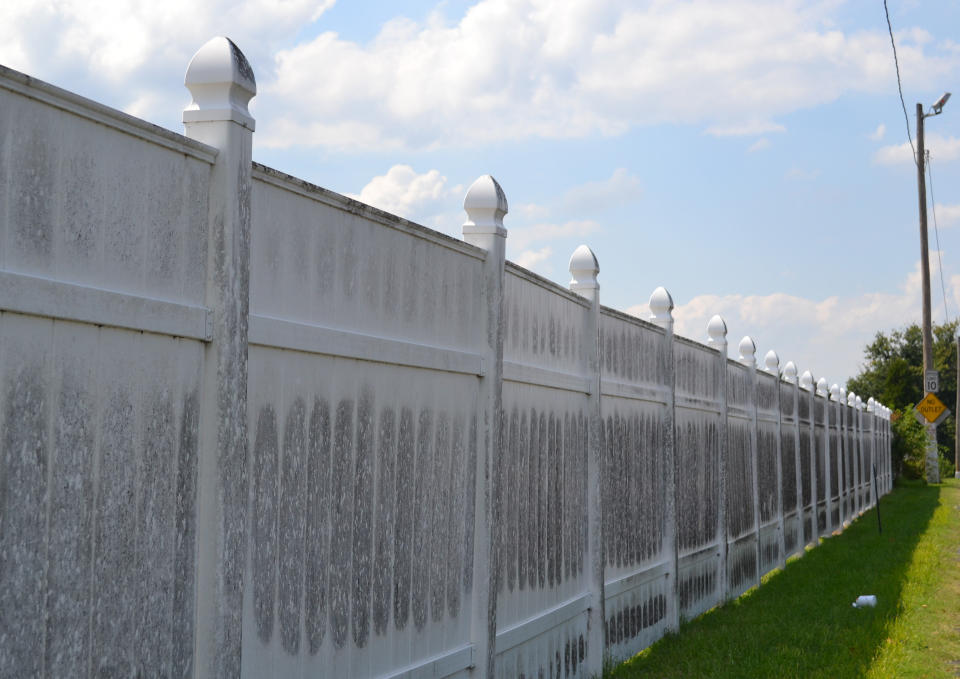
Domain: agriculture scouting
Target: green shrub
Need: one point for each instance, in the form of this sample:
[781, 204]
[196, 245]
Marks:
[909, 443]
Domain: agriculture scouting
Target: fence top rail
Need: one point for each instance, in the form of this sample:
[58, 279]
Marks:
[44, 92]
[336, 200]
[632, 320]
[696, 344]
[545, 283]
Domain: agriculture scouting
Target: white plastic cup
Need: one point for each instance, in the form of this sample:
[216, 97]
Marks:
[865, 601]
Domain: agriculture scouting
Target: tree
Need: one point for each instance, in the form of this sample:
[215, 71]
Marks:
[893, 375]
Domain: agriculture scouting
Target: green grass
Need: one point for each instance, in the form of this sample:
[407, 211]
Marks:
[800, 623]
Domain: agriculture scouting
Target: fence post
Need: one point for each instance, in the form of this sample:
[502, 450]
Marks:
[827, 469]
[853, 425]
[747, 350]
[661, 308]
[222, 83]
[584, 269]
[486, 205]
[717, 338]
[887, 448]
[872, 472]
[836, 395]
[805, 390]
[862, 467]
[772, 365]
[790, 376]
[812, 439]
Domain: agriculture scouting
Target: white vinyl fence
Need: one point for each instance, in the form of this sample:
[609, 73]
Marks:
[250, 427]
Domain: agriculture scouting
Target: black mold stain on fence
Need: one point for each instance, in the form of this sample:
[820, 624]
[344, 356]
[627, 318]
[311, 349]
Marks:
[697, 487]
[739, 479]
[633, 494]
[315, 538]
[317, 531]
[630, 621]
[542, 536]
[767, 470]
[699, 585]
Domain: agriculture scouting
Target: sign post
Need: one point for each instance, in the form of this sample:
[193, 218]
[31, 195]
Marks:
[930, 412]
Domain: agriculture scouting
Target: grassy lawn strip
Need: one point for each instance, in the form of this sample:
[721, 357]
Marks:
[800, 622]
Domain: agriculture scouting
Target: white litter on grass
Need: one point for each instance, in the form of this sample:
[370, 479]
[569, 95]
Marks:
[865, 601]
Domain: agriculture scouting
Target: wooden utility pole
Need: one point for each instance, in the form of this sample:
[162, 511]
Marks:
[924, 249]
[931, 463]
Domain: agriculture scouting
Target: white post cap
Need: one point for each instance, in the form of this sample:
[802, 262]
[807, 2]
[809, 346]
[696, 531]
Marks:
[661, 306]
[806, 380]
[871, 405]
[859, 403]
[790, 372]
[834, 392]
[221, 82]
[771, 362]
[717, 331]
[822, 388]
[851, 399]
[747, 350]
[584, 268]
[485, 205]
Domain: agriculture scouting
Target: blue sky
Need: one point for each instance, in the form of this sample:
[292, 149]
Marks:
[750, 156]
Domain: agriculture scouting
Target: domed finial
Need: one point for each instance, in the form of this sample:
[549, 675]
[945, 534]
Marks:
[485, 205]
[747, 350]
[871, 405]
[717, 331]
[584, 269]
[834, 392]
[790, 372]
[221, 82]
[772, 362]
[806, 380]
[851, 399]
[859, 403]
[661, 306]
[822, 388]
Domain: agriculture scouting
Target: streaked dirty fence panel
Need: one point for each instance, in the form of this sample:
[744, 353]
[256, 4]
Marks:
[363, 444]
[406, 457]
[101, 286]
[542, 579]
[640, 569]
[697, 425]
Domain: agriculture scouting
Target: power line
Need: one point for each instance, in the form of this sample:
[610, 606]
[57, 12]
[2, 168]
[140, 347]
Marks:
[896, 65]
[936, 231]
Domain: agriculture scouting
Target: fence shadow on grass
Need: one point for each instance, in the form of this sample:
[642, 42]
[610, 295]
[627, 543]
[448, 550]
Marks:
[800, 622]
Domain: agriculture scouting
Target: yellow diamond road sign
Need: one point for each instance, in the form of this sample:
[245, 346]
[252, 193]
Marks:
[931, 408]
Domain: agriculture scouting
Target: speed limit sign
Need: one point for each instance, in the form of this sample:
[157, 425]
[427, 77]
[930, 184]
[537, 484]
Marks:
[931, 381]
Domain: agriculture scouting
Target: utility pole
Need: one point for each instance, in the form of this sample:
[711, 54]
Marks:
[956, 416]
[932, 464]
[924, 249]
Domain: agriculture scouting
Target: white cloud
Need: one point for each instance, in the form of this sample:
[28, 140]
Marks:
[941, 149]
[759, 145]
[521, 238]
[533, 259]
[402, 191]
[878, 133]
[622, 187]
[115, 39]
[533, 68]
[948, 214]
[825, 336]
[746, 129]
[506, 69]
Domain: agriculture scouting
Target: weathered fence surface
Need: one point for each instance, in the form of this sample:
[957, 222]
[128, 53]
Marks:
[254, 428]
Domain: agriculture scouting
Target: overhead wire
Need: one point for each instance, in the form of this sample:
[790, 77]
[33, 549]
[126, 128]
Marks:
[936, 231]
[896, 65]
